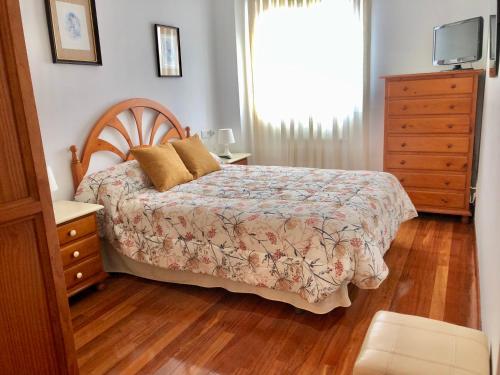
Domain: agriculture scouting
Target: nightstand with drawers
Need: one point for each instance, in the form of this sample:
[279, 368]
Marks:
[79, 244]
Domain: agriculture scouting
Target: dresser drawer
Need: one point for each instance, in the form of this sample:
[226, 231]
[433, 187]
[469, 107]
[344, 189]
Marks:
[426, 162]
[430, 106]
[448, 125]
[81, 272]
[428, 144]
[431, 180]
[76, 229]
[75, 251]
[437, 199]
[443, 86]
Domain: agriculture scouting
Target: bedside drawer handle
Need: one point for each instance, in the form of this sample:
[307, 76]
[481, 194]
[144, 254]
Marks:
[72, 233]
[450, 145]
[450, 126]
[404, 126]
[444, 200]
[79, 275]
[403, 144]
[76, 254]
[452, 106]
[402, 179]
[404, 108]
[405, 88]
[454, 86]
[447, 183]
[448, 164]
[402, 162]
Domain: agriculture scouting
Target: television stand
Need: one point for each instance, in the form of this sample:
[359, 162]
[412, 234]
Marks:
[457, 67]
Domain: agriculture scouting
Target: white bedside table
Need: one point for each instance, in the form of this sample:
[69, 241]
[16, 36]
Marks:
[238, 158]
[79, 244]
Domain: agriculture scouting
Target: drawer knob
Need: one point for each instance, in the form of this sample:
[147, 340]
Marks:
[76, 254]
[403, 144]
[454, 86]
[402, 162]
[72, 233]
[405, 88]
[448, 164]
[404, 108]
[447, 183]
[452, 106]
[79, 275]
[450, 145]
[404, 126]
[402, 180]
[450, 126]
[444, 200]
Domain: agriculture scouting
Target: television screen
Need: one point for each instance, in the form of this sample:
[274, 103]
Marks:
[458, 42]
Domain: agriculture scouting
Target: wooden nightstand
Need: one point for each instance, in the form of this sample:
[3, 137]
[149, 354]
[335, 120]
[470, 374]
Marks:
[240, 159]
[80, 245]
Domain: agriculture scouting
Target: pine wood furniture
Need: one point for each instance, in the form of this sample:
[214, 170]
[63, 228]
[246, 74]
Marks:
[224, 333]
[80, 245]
[430, 122]
[238, 158]
[136, 107]
[36, 335]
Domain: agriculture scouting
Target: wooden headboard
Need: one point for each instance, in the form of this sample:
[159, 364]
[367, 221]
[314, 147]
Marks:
[80, 165]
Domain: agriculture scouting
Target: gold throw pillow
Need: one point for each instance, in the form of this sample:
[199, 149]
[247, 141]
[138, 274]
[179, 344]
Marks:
[163, 166]
[196, 157]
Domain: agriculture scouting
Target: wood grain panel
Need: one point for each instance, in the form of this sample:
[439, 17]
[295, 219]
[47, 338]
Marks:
[134, 327]
[426, 162]
[430, 125]
[448, 106]
[443, 86]
[19, 261]
[428, 144]
[445, 199]
[431, 180]
[35, 329]
[77, 228]
[80, 249]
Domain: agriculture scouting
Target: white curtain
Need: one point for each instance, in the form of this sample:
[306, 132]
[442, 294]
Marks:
[306, 76]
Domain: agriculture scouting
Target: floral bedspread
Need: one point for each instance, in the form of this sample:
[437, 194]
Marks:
[302, 230]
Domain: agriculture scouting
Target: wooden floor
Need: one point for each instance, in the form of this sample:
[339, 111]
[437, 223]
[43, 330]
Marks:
[139, 326]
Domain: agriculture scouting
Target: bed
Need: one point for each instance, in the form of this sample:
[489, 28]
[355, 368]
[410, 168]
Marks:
[296, 235]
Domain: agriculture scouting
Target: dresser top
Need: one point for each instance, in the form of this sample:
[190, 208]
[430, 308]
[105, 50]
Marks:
[448, 73]
[68, 210]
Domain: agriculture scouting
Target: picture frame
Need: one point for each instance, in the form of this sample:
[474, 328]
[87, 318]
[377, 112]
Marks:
[73, 31]
[168, 50]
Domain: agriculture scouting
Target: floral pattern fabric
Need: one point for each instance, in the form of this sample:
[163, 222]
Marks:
[302, 230]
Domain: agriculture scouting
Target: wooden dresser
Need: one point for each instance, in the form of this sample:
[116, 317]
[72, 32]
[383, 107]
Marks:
[80, 245]
[430, 122]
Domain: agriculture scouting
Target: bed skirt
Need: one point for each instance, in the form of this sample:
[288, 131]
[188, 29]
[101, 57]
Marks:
[115, 262]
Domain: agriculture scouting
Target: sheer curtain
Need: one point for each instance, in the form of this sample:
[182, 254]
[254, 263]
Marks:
[306, 81]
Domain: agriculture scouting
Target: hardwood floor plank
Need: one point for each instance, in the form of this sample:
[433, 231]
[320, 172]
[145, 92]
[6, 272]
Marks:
[137, 326]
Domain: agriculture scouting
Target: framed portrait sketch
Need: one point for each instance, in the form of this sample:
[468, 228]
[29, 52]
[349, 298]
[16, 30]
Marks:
[168, 48]
[74, 36]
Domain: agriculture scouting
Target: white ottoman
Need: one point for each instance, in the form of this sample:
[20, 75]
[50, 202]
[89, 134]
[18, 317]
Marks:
[411, 345]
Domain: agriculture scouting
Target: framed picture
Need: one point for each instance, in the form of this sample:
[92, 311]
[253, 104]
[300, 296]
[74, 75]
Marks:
[168, 47]
[74, 36]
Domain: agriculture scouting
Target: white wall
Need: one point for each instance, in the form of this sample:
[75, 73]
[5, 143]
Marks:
[487, 217]
[70, 98]
[402, 43]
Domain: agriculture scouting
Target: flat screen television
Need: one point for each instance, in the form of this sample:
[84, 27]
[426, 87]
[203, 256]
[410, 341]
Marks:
[458, 42]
